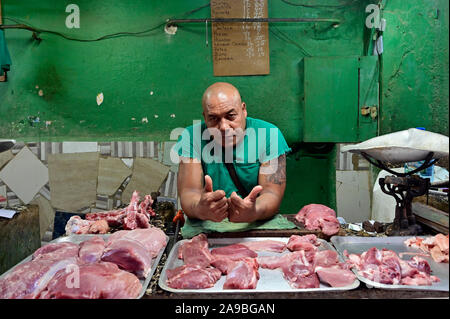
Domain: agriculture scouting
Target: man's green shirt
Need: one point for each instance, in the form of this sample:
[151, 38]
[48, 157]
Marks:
[262, 142]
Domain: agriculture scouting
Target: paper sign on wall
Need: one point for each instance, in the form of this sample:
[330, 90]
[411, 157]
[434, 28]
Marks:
[240, 48]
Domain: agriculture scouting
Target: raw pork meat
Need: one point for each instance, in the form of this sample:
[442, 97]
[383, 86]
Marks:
[436, 246]
[27, 280]
[243, 275]
[146, 206]
[96, 281]
[129, 255]
[192, 277]
[114, 218]
[274, 262]
[307, 242]
[384, 266]
[56, 251]
[319, 217]
[335, 276]
[196, 252]
[153, 238]
[135, 215]
[234, 252]
[224, 264]
[133, 250]
[300, 275]
[91, 250]
[76, 225]
[265, 245]
[325, 258]
[306, 269]
[99, 227]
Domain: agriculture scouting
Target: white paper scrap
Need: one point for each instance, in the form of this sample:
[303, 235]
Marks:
[7, 213]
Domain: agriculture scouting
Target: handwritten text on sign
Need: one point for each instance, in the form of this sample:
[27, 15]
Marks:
[240, 48]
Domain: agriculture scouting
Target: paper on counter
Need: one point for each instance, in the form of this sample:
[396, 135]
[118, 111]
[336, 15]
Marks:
[7, 213]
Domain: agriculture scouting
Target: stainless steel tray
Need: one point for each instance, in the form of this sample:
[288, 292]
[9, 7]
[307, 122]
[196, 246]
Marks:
[77, 239]
[269, 281]
[357, 245]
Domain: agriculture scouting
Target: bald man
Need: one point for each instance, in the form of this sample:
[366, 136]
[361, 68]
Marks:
[228, 143]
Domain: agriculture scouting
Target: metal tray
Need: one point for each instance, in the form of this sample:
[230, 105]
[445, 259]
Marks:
[358, 245]
[269, 281]
[77, 239]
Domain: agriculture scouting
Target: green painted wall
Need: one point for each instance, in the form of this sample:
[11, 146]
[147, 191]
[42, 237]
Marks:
[178, 68]
[415, 66]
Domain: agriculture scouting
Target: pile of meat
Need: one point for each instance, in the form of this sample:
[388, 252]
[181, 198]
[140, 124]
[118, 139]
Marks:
[384, 266]
[436, 246]
[303, 265]
[319, 217]
[136, 215]
[94, 269]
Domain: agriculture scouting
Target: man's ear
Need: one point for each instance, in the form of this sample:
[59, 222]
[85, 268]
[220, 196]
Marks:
[244, 108]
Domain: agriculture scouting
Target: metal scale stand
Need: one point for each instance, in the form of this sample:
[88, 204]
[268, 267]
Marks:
[403, 187]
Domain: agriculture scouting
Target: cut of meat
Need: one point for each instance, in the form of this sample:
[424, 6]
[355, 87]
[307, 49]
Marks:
[153, 238]
[56, 251]
[436, 246]
[196, 252]
[114, 218]
[420, 264]
[420, 279]
[133, 250]
[265, 245]
[442, 242]
[99, 227]
[300, 275]
[438, 255]
[307, 242]
[133, 206]
[91, 250]
[319, 217]
[96, 281]
[142, 221]
[234, 252]
[129, 255]
[335, 276]
[225, 265]
[76, 225]
[325, 258]
[273, 262]
[27, 280]
[135, 215]
[243, 275]
[130, 222]
[192, 277]
[145, 206]
[384, 266]
[200, 240]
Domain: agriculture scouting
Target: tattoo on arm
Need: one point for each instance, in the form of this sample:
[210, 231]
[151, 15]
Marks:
[279, 176]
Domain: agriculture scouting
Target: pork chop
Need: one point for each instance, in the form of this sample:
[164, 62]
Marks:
[192, 277]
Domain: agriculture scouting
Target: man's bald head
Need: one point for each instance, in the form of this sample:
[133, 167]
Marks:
[224, 110]
[221, 91]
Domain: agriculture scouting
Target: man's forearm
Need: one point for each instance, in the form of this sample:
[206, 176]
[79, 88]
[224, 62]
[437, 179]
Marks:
[267, 205]
[189, 202]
